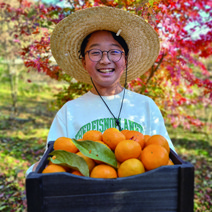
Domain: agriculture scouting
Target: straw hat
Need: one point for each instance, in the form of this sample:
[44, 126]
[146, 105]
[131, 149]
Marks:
[141, 38]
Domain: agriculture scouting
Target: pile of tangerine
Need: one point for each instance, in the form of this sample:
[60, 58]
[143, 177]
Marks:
[135, 153]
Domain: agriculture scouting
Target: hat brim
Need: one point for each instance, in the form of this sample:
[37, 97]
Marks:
[67, 37]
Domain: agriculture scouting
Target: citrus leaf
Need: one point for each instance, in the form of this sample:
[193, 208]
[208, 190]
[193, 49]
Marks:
[71, 160]
[96, 151]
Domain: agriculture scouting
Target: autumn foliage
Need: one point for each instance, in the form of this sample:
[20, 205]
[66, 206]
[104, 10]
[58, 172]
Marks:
[176, 81]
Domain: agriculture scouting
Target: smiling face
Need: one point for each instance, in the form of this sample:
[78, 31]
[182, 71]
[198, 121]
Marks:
[105, 74]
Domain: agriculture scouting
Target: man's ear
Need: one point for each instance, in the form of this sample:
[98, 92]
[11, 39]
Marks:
[84, 63]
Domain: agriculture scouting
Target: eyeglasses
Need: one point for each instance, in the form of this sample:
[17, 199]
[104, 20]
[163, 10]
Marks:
[113, 55]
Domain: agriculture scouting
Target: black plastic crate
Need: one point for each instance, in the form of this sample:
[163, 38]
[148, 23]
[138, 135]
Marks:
[168, 188]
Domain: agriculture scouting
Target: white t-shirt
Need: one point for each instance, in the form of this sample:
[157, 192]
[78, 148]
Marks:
[89, 112]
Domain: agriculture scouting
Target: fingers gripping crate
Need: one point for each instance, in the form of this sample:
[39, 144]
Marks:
[168, 188]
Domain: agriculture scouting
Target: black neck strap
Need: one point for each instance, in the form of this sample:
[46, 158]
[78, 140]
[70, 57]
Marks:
[125, 85]
[116, 119]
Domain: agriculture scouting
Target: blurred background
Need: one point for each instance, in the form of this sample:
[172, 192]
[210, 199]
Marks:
[33, 88]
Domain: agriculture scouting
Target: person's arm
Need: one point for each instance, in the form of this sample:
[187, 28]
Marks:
[57, 129]
[35, 166]
[158, 124]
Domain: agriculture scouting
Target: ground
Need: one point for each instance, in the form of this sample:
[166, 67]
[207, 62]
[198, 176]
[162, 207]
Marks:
[23, 138]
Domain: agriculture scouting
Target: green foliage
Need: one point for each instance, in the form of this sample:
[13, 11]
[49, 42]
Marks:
[96, 151]
[196, 148]
[74, 90]
[23, 139]
[71, 160]
[91, 149]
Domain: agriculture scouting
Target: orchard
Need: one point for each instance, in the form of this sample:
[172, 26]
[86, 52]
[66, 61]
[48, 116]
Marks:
[180, 82]
[177, 81]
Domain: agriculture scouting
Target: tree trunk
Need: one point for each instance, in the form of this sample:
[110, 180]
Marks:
[13, 78]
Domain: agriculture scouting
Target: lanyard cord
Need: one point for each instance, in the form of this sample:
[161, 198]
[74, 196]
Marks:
[116, 119]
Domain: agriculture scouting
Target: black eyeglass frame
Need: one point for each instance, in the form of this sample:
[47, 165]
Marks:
[107, 54]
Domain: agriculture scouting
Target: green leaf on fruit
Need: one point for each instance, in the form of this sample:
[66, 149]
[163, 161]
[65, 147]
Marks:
[96, 151]
[71, 160]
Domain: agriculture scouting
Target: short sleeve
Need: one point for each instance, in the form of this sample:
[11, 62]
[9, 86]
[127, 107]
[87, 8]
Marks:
[158, 124]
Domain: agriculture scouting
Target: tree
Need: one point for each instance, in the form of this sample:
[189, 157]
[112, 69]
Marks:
[9, 52]
[177, 81]
[15, 32]
[174, 75]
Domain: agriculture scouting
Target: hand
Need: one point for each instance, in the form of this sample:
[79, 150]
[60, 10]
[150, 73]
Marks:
[35, 166]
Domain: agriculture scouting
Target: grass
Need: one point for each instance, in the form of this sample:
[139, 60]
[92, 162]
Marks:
[197, 149]
[23, 137]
